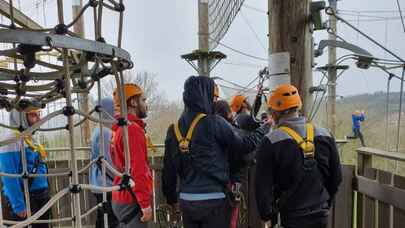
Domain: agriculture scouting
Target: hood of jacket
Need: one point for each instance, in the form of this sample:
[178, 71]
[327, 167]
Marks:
[295, 123]
[198, 95]
[108, 106]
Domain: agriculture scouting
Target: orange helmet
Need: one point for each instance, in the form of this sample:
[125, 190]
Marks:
[357, 113]
[130, 90]
[236, 102]
[284, 97]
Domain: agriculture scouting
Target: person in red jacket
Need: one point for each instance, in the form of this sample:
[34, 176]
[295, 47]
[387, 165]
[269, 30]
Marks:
[132, 206]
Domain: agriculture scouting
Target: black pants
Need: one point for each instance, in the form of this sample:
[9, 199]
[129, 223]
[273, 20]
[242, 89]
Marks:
[112, 220]
[316, 219]
[206, 214]
[358, 134]
[37, 201]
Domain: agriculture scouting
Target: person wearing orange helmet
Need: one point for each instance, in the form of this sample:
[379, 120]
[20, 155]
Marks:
[298, 167]
[14, 203]
[132, 206]
[243, 117]
[357, 118]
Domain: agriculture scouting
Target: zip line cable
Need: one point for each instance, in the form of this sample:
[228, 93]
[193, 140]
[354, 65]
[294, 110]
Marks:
[250, 65]
[254, 8]
[253, 31]
[370, 11]
[239, 52]
[375, 20]
[400, 13]
[361, 15]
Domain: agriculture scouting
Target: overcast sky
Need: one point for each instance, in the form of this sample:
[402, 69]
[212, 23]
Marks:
[156, 33]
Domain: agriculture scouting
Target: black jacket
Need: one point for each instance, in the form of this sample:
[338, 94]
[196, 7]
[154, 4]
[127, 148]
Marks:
[205, 168]
[280, 166]
[246, 122]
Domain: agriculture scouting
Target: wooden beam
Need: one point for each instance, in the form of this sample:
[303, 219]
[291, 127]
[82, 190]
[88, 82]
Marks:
[381, 153]
[20, 18]
[382, 192]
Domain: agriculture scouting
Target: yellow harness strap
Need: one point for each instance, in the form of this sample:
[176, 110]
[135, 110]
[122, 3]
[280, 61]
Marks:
[184, 142]
[39, 148]
[307, 145]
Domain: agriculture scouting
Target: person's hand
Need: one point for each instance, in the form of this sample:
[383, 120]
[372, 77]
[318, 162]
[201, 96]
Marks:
[269, 121]
[22, 214]
[146, 214]
[267, 224]
[175, 215]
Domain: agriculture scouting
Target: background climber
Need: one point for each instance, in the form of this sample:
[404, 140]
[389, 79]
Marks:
[13, 200]
[357, 118]
[96, 174]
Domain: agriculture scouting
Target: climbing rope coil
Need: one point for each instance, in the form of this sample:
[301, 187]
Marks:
[82, 63]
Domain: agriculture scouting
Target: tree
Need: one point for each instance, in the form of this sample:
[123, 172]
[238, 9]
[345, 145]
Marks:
[146, 80]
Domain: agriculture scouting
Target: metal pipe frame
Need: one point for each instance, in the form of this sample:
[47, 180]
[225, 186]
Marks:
[64, 44]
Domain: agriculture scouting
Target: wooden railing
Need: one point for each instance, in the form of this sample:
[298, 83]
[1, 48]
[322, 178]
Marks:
[381, 198]
[368, 197]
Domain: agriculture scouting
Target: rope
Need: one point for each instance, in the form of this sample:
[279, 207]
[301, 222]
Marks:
[254, 8]
[400, 13]
[253, 31]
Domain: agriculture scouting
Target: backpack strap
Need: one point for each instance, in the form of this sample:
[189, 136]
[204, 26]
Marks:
[184, 142]
[307, 145]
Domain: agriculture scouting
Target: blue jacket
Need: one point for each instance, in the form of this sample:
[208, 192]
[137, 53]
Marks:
[356, 119]
[10, 162]
[96, 175]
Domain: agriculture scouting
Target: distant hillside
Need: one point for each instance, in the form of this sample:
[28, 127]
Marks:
[374, 128]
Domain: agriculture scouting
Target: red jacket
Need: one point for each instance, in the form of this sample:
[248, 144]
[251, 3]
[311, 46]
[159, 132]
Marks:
[140, 170]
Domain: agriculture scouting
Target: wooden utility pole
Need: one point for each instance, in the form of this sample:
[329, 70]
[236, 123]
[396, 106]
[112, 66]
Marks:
[203, 37]
[290, 32]
[78, 28]
[332, 72]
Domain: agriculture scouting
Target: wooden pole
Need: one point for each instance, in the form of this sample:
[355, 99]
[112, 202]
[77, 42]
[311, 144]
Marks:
[203, 37]
[332, 73]
[290, 32]
[78, 28]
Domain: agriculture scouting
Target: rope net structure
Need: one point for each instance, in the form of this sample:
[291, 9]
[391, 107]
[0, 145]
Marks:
[221, 14]
[33, 82]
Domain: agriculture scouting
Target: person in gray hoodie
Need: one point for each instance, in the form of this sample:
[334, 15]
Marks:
[96, 175]
[298, 167]
[13, 200]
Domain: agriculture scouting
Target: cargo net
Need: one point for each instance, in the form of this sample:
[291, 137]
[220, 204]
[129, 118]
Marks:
[73, 65]
[221, 14]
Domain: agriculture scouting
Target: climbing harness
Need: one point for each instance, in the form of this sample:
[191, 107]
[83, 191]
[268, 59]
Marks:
[184, 142]
[307, 144]
[35, 147]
